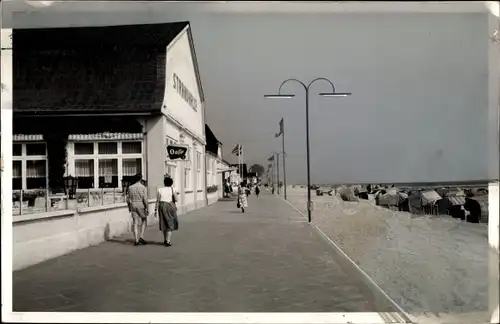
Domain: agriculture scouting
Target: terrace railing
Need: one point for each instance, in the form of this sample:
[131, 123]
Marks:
[25, 202]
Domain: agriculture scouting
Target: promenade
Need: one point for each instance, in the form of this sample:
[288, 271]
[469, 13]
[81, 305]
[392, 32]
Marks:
[267, 259]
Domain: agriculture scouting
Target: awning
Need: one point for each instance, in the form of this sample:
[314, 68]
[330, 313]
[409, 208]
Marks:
[105, 136]
[224, 170]
[456, 200]
[26, 138]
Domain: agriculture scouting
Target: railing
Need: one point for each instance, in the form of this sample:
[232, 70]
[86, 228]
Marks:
[99, 197]
[30, 202]
[26, 202]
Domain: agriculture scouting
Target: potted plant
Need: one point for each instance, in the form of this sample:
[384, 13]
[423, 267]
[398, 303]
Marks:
[212, 189]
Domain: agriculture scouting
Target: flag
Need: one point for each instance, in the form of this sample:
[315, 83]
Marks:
[271, 158]
[238, 149]
[281, 128]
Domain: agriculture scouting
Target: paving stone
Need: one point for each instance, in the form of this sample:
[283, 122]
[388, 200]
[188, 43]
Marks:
[267, 259]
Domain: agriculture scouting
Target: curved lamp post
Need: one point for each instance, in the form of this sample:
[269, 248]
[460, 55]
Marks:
[289, 96]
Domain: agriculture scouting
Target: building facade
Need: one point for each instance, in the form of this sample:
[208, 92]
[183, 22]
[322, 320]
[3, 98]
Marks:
[218, 169]
[95, 106]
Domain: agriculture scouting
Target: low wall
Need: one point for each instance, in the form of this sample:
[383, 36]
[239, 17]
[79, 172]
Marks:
[212, 197]
[494, 260]
[39, 237]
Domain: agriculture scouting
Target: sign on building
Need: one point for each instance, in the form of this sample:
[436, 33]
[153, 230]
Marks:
[178, 151]
[6, 38]
[184, 92]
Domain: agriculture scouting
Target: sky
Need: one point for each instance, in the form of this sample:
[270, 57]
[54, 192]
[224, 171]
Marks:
[242, 57]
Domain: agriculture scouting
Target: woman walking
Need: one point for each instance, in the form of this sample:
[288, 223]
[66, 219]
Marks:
[257, 190]
[242, 197]
[166, 209]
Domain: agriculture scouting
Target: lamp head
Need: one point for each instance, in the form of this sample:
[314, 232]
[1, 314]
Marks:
[279, 96]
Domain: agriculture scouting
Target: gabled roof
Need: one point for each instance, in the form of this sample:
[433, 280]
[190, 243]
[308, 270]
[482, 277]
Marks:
[92, 70]
[209, 133]
[196, 66]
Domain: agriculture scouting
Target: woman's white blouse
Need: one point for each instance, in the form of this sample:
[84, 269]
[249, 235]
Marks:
[165, 193]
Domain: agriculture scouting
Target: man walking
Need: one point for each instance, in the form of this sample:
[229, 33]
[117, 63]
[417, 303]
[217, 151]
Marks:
[137, 201]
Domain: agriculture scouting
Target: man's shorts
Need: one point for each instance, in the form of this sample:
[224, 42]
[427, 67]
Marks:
[138, 213]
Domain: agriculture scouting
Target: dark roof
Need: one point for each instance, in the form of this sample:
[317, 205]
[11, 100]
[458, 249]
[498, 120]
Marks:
[212, 145]
[111, 69]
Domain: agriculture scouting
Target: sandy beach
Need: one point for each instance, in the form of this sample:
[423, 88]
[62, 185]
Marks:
[434, 267]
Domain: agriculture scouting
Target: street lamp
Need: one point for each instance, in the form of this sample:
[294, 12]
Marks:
[70, 185]
[289, 96]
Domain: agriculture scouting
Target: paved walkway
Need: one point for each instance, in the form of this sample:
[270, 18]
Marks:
[265, 260]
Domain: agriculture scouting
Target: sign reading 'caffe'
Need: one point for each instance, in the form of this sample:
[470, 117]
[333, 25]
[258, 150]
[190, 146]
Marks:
[176, 152]
[183, 91]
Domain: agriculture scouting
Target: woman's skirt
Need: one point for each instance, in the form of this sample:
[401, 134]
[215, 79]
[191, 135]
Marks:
[242, 199]
[167, 213]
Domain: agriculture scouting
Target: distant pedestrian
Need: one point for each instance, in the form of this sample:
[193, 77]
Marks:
[166, 210]
[227, 188]
[474, 209]
[242, 197]
[137, 202]
[257, 190]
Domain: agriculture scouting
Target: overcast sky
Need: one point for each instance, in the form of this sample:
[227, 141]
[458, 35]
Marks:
[244, 56]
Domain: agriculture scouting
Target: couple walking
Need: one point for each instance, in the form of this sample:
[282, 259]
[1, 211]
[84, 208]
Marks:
[165, 209]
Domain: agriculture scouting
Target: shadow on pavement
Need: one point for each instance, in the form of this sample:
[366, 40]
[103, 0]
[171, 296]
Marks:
[227, 199]
[131, 242]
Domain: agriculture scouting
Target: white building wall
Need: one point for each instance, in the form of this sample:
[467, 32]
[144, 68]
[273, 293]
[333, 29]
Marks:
[172, 133]
[184, 121]
[179, 64]
[155, 142]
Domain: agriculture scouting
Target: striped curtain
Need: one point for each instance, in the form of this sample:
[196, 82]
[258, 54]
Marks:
[16, 169]
[108, 148]
[84, 168]
[131, 167]
[108, 166]
[36, 169]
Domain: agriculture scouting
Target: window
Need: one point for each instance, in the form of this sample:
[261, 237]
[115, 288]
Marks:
[172, 171]
[29, 166]
[17, 150]
[106, 164]
[108, 147]
[131, 167]
[131, 147]
[198, 161]
[17, 175]
[35, 149]
[199, 179]
[84, 171]
[187, 183]
[187, 170]
[84, 148]
[108, 173]
[36, 174]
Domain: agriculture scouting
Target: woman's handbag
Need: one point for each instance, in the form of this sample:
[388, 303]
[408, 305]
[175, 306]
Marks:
[173, 196]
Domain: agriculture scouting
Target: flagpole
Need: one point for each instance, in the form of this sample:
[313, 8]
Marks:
[283, 152]
[278, 171]
[273, 173]
[239, 163]
[242, 159]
